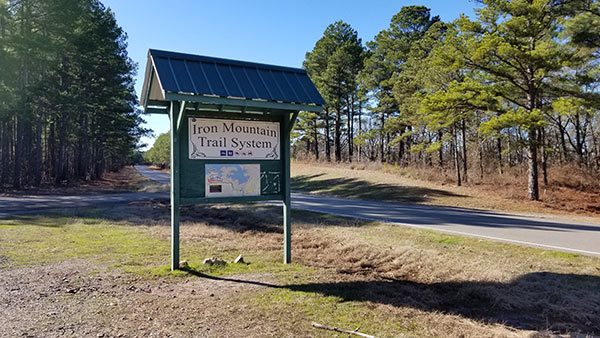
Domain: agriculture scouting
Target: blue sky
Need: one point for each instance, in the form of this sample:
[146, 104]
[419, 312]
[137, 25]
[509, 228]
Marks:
[265, 31]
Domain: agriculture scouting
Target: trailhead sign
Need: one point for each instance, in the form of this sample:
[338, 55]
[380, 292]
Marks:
[230, 124]
[233, 139]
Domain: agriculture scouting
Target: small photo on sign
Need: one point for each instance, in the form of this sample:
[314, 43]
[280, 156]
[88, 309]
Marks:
[216, 188]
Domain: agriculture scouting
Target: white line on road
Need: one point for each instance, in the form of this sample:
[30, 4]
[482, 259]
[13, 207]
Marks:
[455, 232]
[378, 216]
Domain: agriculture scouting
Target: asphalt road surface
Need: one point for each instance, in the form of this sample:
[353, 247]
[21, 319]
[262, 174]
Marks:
[153, 174]
[545, 232]
[26, 204]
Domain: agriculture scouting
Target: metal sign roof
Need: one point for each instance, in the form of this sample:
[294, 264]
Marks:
[197, 78]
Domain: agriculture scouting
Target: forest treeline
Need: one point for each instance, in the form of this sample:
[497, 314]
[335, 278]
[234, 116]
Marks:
[67, 101]
[517, 85]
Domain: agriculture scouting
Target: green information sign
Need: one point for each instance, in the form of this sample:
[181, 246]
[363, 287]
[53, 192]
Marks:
[232, 159]
[230, 125]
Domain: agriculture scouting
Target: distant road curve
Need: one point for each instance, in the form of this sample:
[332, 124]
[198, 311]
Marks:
[152, 174]
[549, 232]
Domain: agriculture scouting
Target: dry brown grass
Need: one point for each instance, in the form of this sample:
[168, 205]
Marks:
[127, 179]
[423, 283]
[570, 188]
[570, 192]
[391, 281]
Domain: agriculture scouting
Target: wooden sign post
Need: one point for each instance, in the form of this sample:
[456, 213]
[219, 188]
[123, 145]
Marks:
[230, 125]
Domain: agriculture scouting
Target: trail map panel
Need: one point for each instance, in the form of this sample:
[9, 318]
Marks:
[233, 139]
[232, 180]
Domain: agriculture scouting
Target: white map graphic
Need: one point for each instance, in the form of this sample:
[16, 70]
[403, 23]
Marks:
[230, 180]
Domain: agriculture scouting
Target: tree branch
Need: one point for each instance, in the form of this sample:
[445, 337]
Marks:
[333, 328]
[497, 73]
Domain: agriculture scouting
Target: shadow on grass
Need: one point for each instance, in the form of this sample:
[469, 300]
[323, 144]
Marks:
[361, 189]
[535, 301]
[47, 220]
[241, 218]
[197, 273]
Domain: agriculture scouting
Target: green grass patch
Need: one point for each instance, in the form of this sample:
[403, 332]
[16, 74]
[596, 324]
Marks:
[566, 255]
[28, 240]
[258, 265]
[52, 238]
[448, 240]
[296, 310]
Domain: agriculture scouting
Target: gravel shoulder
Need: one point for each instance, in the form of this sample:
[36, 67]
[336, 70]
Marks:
[78, 298]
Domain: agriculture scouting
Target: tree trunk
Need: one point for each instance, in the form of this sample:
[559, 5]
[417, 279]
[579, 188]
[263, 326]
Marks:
[499, 147]
[18, 153]
[338, 135]
[563, 143]
[316, 137]
[327, 138]
[23, 81]
[596, 162]
[532, 167]
[542, 136]
[409, 145]
[52, 158]
[401, 151]
[381, 138]
[441, 150]
[579, 140]
[28, 151]
[464, 149]
[359, 150]
[61, 170]
[350, 113]
[481, 167]
[86, 148]
[388, 151]
[6, 137]
[307, 147]
[455, 154]
[38, 150]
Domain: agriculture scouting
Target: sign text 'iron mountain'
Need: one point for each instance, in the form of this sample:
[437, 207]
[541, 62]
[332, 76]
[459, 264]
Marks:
[233, 139]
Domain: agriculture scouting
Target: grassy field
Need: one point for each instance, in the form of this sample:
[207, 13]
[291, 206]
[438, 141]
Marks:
[104, 272]
[393, 184]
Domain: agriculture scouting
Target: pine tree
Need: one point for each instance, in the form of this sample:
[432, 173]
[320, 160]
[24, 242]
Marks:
[517, 46]
[333, 65]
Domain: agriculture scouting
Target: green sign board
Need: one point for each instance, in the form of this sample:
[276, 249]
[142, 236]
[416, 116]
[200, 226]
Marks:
[230, 125]
[232, 159]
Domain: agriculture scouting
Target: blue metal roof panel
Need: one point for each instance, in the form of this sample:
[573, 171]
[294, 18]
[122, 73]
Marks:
[284, 85]
[214, 78]
[183, 76]
[298, 88]
[229, 81]
[310, 88]
[165, 75]
[271, 85]
[202, 75]
[200, 80]
[244, 83]
[258, 84]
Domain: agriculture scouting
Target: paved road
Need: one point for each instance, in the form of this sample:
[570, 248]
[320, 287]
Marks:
[542, 232]
[561, 235]
[153, 174]
[23, 204]
[545, 232]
